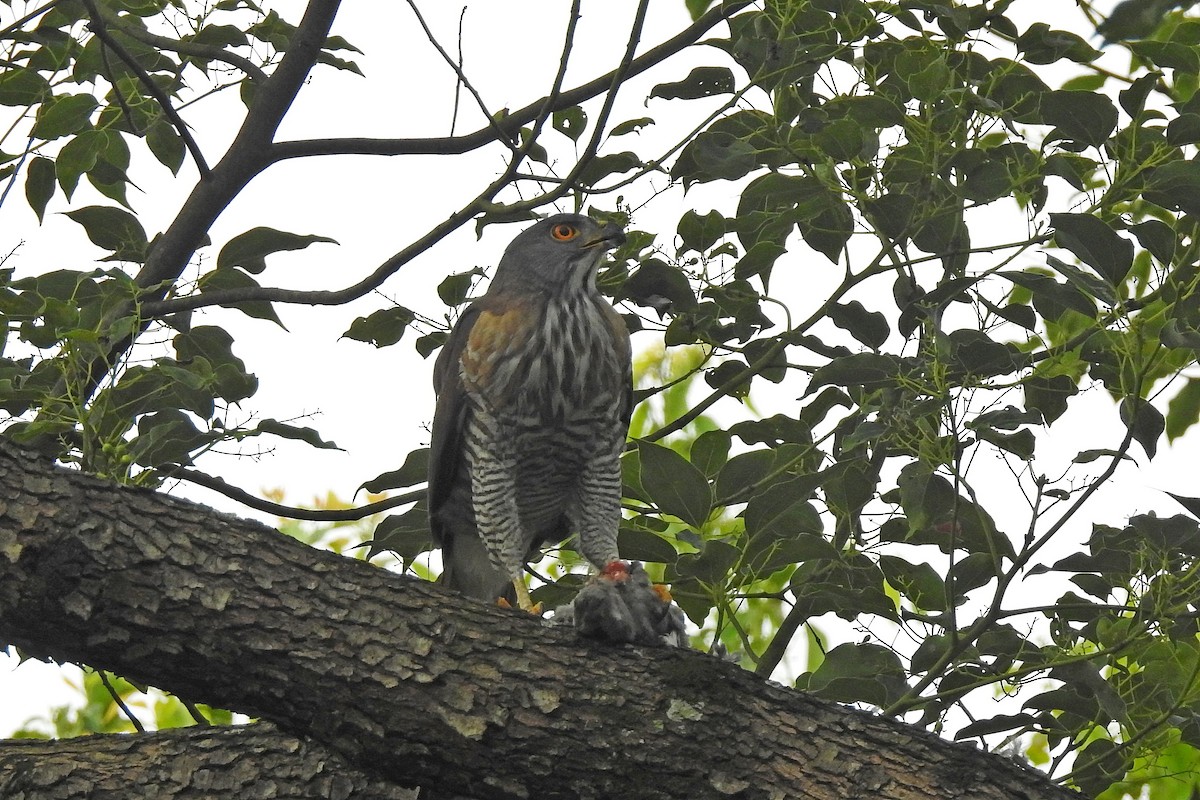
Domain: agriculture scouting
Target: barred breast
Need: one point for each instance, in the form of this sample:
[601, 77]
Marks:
[558, 400]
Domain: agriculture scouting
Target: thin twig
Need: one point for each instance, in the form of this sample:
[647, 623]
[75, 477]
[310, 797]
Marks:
[463, 81]
[462, 15]
[32, 15]
[619, 76]
[195, 713]
[137, 725]
[98, 27]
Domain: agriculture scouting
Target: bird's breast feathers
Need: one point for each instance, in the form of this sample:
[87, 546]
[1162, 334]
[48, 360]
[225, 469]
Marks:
[546, 360]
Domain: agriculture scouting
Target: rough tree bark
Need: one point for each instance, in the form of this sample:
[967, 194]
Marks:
[420, 687]
[186, 764]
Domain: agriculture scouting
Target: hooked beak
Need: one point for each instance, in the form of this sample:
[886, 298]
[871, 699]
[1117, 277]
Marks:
[610, 236]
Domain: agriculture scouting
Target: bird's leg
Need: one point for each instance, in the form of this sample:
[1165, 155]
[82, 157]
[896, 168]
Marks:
[523, 601]
[596, 511]
[494, 493]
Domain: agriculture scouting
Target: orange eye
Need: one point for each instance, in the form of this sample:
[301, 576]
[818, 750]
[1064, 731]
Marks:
[564, 232]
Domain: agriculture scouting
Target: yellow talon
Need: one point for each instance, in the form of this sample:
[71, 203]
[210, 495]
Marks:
[523, 601]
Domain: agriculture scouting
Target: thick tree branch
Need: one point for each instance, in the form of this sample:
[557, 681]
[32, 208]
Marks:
[185, 764]
[424, 687]
[244, 159]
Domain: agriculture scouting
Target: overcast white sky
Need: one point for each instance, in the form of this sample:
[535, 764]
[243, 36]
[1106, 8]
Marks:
[375, 403]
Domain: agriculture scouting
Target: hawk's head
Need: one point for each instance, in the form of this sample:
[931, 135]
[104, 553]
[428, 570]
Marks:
[562, 251]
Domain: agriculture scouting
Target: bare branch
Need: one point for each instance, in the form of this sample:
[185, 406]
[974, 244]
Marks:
[512, 124]
[289, 512]
[462, 77]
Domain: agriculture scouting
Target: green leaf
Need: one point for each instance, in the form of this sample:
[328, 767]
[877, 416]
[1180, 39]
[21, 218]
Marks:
[1095, 244]
[570, 122]
[77, 157]
[826, 223]
[844, 140]
[1051, 298]
[214, 346]
[22, 87]
[339, 63]
[231, 279]
[1080, 116]
[167, 437]
[407, 535]
[712, 156]
[1102, 762]
[1021, 444]
[1133, 99]
[711, 564]
[758, 260]
[660, 286]
[1048, 396]
[637, 544]
[610, 164]
[674, 484]
[710, 451]
[1175, 186]
[249, 250]
[415, 470]
[1145, 422]
[783, 527]
[859, 673]
[454, 288]
[631, 126]
[1007, 418]
[869, 327]
[920, 583]
[273, 30]
[699, 233]
[742, 475]
[701, 82]
[381, 328]
[1091, 286]
[869, 370]
[1158, 237]
[302, 434]
[1088, 456]
[39, 185]
[1184, 410]
[1169, 535]
[64, 115]
[1042, 45]
[1168, 55]
[166, 145]
[697, 7]
[113, 229]
[1192, 504]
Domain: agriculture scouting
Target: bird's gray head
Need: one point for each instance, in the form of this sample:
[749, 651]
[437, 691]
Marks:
[560, 253]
